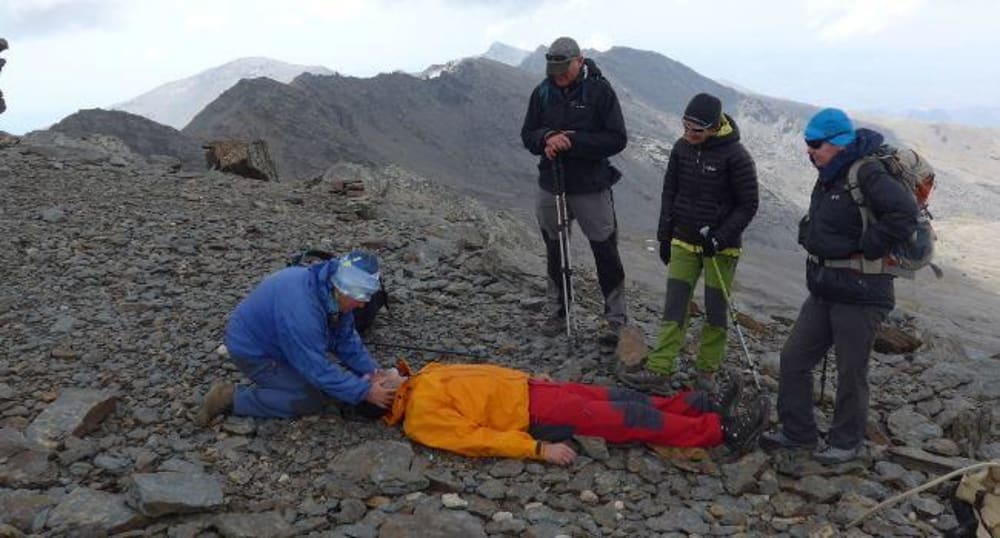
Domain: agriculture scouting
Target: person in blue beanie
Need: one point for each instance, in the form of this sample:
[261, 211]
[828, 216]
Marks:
[850, 295]
[280, 334]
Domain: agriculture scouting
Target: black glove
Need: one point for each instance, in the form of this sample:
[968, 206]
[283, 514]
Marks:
[709, 244]
[665, 252]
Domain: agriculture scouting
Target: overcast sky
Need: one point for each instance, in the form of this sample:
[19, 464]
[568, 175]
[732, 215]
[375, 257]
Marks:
[859, 54]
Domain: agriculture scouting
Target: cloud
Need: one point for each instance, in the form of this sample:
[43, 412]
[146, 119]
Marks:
[37, 18]
[843, 20]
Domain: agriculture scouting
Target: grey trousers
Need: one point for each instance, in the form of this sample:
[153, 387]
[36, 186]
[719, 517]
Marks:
[596, 214]
[851, 330]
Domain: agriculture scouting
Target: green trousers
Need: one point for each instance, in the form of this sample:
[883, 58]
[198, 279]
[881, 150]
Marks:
[684, 270]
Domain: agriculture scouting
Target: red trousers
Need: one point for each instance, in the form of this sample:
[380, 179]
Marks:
[560, 410]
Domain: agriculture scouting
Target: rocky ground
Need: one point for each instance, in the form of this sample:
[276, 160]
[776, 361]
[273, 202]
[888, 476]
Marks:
[117, 277]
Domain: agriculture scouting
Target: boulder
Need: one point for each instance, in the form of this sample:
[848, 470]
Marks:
[76, 412]
[244, 158]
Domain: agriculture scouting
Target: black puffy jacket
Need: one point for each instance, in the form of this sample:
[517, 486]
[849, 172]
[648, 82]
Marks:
[589, 108]
[712, 184]
[832, 229]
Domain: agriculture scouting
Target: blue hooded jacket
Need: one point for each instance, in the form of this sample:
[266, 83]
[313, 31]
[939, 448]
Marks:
[285, 319]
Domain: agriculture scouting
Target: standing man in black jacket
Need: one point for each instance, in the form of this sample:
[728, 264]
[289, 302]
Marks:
[709, 197]
[848, 298]
[574, 116]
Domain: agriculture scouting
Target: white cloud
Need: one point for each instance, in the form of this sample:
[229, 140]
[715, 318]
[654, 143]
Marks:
[837, 21]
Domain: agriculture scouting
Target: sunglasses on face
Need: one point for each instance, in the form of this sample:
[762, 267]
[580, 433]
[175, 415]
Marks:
[692, 129]
[558, 58]
[817, 142]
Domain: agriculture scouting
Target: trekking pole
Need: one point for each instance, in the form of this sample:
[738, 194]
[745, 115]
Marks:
[562, 224]
[428, 349]
[736, 323]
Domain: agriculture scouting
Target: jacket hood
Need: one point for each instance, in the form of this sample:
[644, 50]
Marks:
[323, 278]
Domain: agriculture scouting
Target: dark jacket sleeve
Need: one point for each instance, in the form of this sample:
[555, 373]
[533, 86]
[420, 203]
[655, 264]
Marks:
[743, 182]
[609, 137]
[665, 230]
[532, 130]
[895, 211]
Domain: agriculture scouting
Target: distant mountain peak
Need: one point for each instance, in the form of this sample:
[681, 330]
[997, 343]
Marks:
[175, 103]
[505, 53]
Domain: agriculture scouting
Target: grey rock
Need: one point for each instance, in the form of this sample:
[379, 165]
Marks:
[492, 489]
[85, 507]
[741, 477]
[262, 525]
[23, 464]
[6, 392]
[351, 511]
[176, 465]
[159, 494]
[432, 524]
[112, 464]
[911, 427]
[790, 505]
[606, 515]
[76, 449]
[387, 464]
[53, 215]
[942, 446]
[506, 468]
[816, 488]
[24, 509]
[594, 448]
[76, 412]
[679, 519]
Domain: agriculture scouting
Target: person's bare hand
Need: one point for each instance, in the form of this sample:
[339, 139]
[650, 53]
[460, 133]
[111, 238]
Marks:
[557, 143]
[379, 395]
[558, 453]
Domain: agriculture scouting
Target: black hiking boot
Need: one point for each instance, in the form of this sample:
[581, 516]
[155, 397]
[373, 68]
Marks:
[777, 440]
[741, 431]
[724, 402]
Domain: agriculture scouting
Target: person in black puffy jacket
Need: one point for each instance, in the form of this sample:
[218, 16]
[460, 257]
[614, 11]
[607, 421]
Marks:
[574, 117]
[710, 195]
[848, 299]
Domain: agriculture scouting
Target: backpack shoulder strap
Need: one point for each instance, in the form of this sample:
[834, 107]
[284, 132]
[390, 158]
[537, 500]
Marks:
[854, 187]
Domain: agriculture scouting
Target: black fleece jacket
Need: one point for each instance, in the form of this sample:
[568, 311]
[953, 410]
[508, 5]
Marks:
[589, 109]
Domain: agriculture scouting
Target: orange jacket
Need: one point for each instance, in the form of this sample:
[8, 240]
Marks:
[471, 409]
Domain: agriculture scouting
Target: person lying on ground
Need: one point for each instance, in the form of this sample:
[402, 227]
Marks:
[485, 410]
[280, 334]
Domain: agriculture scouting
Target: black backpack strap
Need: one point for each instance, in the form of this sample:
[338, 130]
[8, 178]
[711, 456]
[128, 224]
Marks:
[302, 257]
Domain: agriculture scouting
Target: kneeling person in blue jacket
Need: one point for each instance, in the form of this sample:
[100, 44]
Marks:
[280, 334]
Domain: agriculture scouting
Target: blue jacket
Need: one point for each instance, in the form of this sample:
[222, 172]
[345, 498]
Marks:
[832, 229]
[285, 319]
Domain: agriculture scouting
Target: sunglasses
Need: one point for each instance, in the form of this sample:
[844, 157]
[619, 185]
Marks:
[691, 129]
[817, 142]
[558, 58]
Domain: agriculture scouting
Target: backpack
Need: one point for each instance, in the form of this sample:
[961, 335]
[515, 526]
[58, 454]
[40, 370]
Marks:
[917, 177]
[364, 317]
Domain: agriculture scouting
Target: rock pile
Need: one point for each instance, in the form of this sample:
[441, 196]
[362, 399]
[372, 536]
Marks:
[117, 279]
[3, 47]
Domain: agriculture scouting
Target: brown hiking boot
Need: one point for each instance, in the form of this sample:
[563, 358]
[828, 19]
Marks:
[218, 400]
[642, 379]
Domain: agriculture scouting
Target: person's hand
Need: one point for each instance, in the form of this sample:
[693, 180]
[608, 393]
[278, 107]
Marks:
[665, 252]
[558, 453]
[557, 143]
[380, 395]
[709, 243]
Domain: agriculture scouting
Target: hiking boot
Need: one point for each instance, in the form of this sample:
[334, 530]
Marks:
[705, 382]
[609, 333]
[645, 380]
[832, 455]
[777, 440]
[218, 400]
[554, 326]
[724, 402]
[741, 431]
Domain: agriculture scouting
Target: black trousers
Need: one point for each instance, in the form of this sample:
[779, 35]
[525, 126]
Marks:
[850, 329]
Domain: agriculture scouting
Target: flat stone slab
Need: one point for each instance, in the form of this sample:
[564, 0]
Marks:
[915, 458]
[89, 509]
[76, 412]
[263, 525]
[159, 494]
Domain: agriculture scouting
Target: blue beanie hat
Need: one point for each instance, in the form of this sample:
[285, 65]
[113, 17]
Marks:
[831, 125]
[357, 275]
